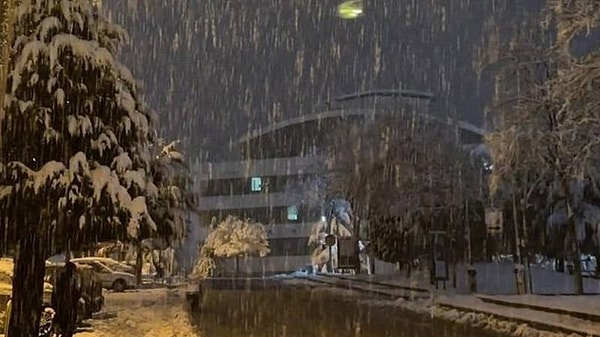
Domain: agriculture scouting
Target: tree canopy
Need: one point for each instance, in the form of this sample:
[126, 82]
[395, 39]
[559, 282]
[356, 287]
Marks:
[411, 170]
[234, 237]
[546, 121]
[76, 162]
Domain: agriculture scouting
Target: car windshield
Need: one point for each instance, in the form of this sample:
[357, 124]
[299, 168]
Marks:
[101, 268]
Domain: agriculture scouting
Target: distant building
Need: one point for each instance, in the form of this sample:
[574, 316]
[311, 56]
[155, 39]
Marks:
[279, 180]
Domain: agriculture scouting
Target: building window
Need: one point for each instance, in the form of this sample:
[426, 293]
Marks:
[292, 213]
[256, 184]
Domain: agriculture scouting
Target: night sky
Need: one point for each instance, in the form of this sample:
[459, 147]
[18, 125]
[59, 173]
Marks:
[214, 69]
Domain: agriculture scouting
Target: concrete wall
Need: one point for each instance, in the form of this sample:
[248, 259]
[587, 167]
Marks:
[271, 265]
[268, 265]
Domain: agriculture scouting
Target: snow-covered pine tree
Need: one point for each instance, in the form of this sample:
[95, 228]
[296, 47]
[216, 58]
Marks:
[74, 140]
[170, 210]
[175, 199]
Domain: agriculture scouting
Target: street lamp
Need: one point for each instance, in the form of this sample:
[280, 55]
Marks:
[349, 10]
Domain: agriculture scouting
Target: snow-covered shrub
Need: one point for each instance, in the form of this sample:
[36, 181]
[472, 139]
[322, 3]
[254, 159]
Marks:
[232, 238]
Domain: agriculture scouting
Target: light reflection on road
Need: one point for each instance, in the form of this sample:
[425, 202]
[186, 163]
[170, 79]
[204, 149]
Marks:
[305, 313]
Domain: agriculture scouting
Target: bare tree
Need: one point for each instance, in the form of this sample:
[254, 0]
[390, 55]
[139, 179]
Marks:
[412, 169]
[548, 117]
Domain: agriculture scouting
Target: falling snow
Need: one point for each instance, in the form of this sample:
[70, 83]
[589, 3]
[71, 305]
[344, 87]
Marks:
[247, 138]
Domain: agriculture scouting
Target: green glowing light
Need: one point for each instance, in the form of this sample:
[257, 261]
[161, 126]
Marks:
[349, 10]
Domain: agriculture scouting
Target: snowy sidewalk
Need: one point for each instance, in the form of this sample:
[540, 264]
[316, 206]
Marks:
[373, 288]
[492, 279]
[568, 314]
[534, 318]
[583, 307]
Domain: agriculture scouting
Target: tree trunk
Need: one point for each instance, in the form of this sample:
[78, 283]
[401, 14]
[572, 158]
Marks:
[517, 257]
[409, 255]
[372, 263]
[576, 251]
[356, 234]
[28, 286]
[139, 262]
[525, 248]
[453, 254]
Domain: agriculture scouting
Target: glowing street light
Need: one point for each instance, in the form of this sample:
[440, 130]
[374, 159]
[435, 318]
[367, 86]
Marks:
[349, 10]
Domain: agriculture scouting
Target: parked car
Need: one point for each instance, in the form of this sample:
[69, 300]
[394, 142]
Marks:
[6, 276]
[116, 280]
[90, 285]
[110, 263]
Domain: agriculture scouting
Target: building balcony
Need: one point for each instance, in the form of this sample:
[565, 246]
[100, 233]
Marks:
[289, 230]
[264, 168]
[243, 201]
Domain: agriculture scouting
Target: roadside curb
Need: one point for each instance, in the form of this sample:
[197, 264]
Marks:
[581, 315]
[554, 326]
[380, 283]
[543, 323]
[359, 289]
[347, 284]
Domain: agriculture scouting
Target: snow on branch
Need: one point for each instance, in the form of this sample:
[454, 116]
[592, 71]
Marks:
[139, 216]
[122, 163]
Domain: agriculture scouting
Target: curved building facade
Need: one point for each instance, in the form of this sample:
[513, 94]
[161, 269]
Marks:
[278, 180]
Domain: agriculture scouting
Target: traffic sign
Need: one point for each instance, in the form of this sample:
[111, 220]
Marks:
[493, 221]
[330, 240]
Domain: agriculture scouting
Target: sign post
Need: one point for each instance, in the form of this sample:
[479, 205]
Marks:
[439, 259]
[493, 221]
[330, 241]
[347, 257]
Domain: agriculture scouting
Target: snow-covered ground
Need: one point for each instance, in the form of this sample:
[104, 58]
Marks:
[299, 273]
[477, 320]
[145, 313]
[496, 279]
[471, 310]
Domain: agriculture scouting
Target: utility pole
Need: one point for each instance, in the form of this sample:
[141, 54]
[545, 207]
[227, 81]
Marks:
[471, 271]
[519, 269]
[468, 226]
[330, 232]
[525, 242]
[356, 230]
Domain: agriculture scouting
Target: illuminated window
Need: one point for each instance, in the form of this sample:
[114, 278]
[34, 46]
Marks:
[292, 213]
[256, 184]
